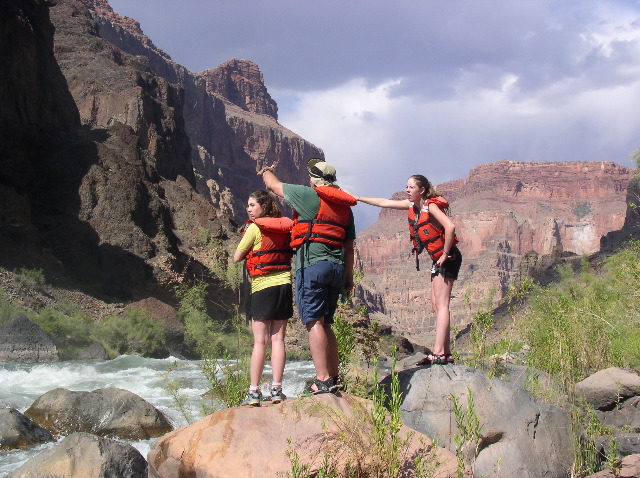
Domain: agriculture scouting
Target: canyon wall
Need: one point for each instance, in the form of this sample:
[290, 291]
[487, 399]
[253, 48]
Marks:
[502, 211]
[229, 117]
[119, 165]
[108, 203]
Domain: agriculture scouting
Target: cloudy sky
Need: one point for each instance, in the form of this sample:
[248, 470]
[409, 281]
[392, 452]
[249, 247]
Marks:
[392, 88]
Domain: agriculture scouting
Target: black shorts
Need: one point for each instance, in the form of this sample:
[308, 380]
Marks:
[272, 303]
[451, 266]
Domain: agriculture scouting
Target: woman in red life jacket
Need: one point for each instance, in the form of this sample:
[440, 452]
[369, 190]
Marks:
[265, 248]
[432, 230]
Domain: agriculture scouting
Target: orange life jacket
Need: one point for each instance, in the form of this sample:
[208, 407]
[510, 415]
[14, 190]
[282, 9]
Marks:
[329, 226]
[275, 253]
[424, 233]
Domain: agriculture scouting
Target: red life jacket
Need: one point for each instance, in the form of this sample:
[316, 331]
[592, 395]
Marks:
[329, 226]
[275, 253]
[424, 233]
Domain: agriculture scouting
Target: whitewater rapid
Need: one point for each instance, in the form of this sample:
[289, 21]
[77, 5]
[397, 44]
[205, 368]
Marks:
[22, 384]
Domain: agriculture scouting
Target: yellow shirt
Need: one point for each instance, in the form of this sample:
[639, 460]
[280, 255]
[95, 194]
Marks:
[251, 241]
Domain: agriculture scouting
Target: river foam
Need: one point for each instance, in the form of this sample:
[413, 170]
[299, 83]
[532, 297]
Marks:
[22, 384]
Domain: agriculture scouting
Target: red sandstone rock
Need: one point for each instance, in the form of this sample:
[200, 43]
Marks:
[242, 83]
[249, 442]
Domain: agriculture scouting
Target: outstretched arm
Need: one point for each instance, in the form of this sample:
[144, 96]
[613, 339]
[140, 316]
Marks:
[386, 203]
[271, 182]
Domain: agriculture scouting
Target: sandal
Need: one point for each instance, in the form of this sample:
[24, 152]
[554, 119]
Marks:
[449, 359]
[337, 385]
[433, 359]
[322, 386]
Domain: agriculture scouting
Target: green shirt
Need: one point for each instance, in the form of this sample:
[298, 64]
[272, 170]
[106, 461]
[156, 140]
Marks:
[307, 203]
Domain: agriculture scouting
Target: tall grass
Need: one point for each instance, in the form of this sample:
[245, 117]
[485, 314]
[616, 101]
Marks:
[587, 321]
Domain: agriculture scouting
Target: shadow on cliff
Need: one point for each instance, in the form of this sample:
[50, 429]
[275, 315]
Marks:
[96, 267]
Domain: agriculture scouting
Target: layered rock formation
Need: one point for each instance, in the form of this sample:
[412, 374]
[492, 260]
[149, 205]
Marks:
[502, 211]
[229, 116]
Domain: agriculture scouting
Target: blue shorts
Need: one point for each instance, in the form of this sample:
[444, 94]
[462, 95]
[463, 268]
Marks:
[318, 288]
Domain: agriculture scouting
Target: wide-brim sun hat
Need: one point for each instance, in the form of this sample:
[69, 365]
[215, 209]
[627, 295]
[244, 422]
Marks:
[319, 168]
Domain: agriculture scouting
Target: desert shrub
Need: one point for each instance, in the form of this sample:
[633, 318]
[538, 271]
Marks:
[30, 279]
[228, 378]
[69, 328]
[203, 334]
[132, 333]
[346, 340]
[8, 310]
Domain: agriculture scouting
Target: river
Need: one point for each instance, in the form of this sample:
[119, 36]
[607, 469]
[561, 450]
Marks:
[22, 384]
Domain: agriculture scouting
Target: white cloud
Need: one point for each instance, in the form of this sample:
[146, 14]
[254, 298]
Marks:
[377, 139]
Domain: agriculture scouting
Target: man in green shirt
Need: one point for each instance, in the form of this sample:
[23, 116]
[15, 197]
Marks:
[323, 235]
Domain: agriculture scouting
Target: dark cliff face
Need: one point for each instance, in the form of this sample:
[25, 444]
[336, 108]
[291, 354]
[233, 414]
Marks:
[35, 104]
[107, 204]
[116, 161]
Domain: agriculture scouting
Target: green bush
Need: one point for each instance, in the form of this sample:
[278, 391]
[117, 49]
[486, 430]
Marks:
[346, 341]
[228, 378]
[30, 279]
[133, 333]
[70, 329]
[8, 310]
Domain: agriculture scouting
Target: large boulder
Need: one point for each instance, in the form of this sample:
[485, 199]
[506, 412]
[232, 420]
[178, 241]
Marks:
[82, 455]
[109, 412]
[608, 388]
[520, 436]
[18, 431]
[626, 444]
[23, 341]
[615, 395]
[266, 441]
[93, 351]
[626, 416]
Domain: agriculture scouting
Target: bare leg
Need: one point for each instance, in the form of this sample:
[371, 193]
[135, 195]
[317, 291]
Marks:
[319, 345]
[440, 299]
[260, 341]
[332, 351]
[278, 354]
